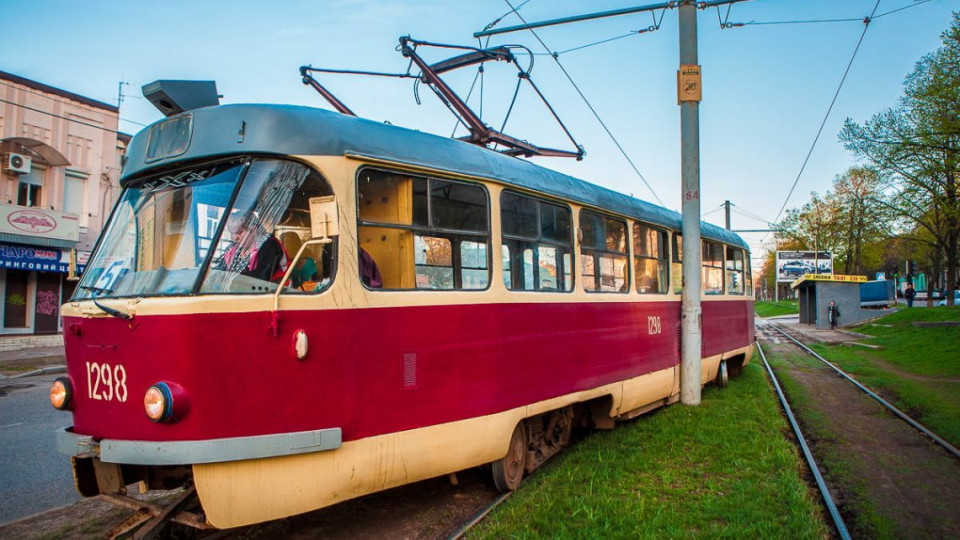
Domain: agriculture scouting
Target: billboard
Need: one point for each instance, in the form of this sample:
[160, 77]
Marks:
[794, 264]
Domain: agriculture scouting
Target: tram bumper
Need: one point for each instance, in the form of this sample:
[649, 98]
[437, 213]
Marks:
[108, 465]
[193, 452]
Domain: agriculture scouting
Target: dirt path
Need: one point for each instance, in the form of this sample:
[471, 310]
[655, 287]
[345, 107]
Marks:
[890, 481]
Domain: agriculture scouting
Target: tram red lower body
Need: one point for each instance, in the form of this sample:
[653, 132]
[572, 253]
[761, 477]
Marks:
[372, 371]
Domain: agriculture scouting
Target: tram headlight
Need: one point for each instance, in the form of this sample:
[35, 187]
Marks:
[165, 402]
[61, 394]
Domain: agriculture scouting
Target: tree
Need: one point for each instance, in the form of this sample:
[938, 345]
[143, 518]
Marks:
[914, 147]
[811, 227]
[863, 213]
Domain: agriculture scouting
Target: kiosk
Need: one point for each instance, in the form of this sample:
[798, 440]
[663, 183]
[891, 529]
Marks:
[815, 291]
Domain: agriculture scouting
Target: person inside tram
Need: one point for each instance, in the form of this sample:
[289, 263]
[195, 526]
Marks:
[255, 252]
[369, 273]
[306, 271]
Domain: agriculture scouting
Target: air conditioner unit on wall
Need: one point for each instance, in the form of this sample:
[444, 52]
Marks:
[17, 163]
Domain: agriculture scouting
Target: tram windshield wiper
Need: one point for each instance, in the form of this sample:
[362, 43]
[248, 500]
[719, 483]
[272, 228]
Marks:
[97, 290]
[108, 310]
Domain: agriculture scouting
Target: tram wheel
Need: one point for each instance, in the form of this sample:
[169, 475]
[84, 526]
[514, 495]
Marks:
[723, 377]
[508, 472]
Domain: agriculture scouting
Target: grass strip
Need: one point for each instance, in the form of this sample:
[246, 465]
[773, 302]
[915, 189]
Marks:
[774, 309]
[721, 470]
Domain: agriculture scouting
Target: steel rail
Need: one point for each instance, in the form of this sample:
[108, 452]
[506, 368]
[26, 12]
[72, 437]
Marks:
[903, 416]
[824, 491]
[479, 516]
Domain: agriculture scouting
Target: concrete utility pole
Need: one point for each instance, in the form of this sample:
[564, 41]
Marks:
[688, 96]
[726, 205]
[690, 311]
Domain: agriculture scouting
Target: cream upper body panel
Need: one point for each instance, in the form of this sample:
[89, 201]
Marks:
[346, 290]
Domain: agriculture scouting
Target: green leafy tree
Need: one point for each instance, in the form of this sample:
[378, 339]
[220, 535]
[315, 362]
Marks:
[862, 217]
[914, 147]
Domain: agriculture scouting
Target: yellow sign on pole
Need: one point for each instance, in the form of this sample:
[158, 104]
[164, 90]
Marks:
[688, 83]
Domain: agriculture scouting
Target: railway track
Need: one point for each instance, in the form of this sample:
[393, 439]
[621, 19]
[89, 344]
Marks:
[828, 501]
[778, 330]
[893, 492]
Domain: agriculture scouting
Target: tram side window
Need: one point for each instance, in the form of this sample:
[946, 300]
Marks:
[676, 264]
[650, 259]
[537, 244]
[749, 278]
[712, 275]
[424, 233]
[734, 270]
[603, 251]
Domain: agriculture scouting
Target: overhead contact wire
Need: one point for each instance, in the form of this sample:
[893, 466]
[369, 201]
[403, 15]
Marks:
[866, 25]
[592, 110]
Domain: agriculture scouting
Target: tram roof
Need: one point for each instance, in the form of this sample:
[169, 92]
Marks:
[297, 130]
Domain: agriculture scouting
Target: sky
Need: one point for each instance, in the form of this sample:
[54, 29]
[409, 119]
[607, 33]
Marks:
[767, 85]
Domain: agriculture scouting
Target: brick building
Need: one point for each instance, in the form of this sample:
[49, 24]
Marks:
[60, 160]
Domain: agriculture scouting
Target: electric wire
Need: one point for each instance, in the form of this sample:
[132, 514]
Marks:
[908, 6]
[590, 106]
[601, 42]
[47, 96]
[58, 116]
[811, 21]
[751, 216]
[866, 25]
[842, 20]
[714, 211]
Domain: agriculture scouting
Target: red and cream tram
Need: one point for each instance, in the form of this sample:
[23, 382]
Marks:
[292, 307]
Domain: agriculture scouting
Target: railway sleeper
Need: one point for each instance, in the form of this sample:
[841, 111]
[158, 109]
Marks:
[109, 481]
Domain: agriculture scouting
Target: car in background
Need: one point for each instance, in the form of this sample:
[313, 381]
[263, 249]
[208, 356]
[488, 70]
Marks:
[794, 269]
[956, 299]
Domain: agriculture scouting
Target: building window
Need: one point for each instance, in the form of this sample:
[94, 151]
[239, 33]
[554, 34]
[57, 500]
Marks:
[603, 250]
[29, 188]
[422, 233]
[74, 194]
[734, 271]
[650, 259]
[537, 244]
[712, 275]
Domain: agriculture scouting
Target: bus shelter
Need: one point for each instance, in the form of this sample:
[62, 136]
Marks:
[815, 291]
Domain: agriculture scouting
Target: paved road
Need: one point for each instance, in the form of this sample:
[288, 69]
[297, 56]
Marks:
[33, 475]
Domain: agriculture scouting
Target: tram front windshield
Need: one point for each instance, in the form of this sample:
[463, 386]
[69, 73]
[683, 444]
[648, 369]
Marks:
[167, 235]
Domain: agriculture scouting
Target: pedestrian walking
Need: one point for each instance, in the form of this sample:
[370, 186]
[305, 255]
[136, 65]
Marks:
[909, 294]
[833, 313]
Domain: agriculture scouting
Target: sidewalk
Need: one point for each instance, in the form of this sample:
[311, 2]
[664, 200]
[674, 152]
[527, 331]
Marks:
[32, 361]
[791, 323]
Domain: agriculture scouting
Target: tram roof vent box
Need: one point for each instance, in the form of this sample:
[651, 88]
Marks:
[175, 97]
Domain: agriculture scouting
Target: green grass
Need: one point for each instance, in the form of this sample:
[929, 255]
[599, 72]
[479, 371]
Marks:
[720, 470]
[931, 354]
[16, 369]
[773, 309]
